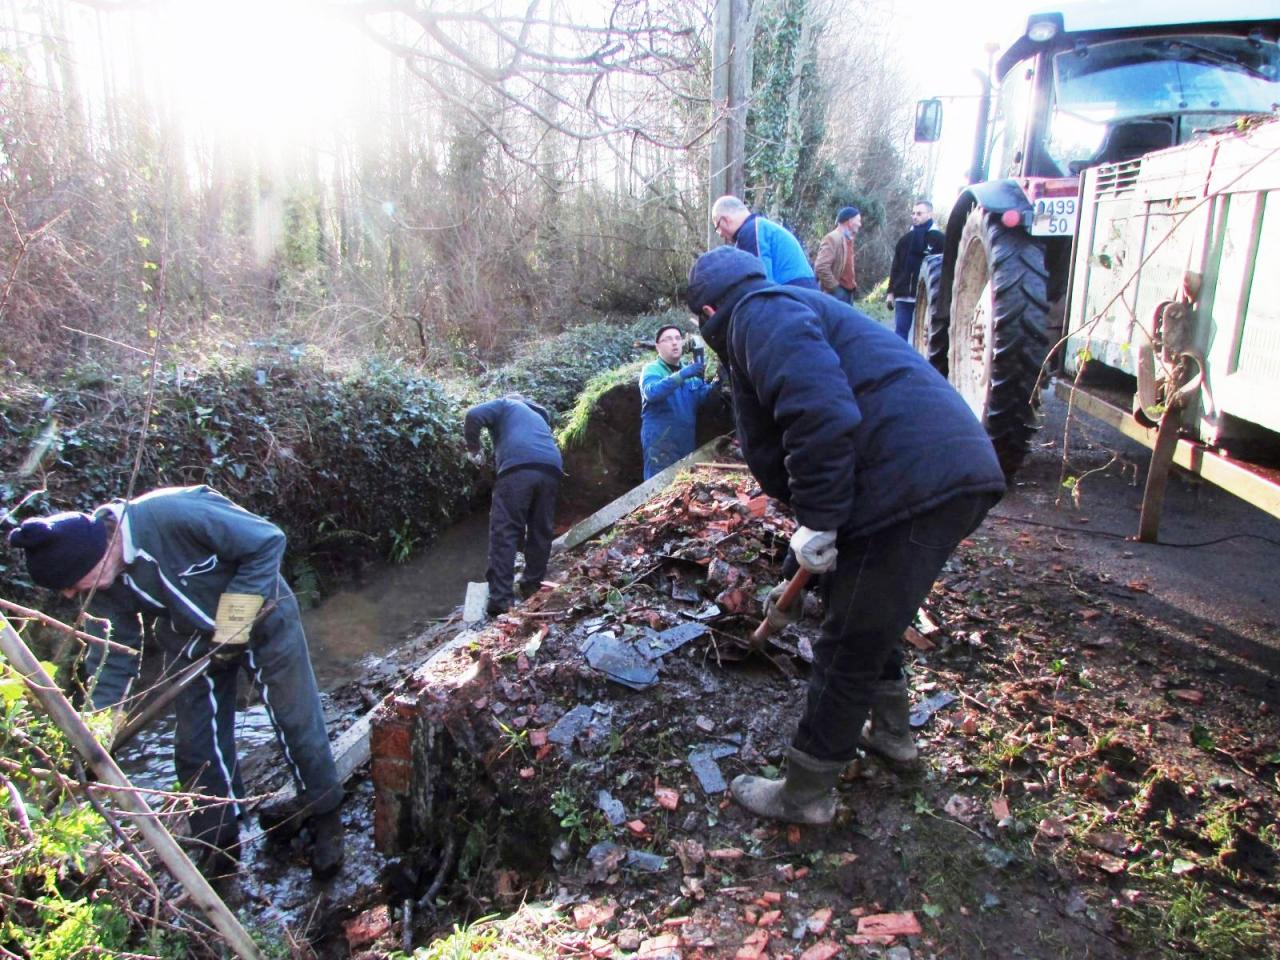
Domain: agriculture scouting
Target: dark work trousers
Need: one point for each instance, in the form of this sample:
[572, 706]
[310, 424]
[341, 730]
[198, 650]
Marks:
[522, 514]
[871, 597]
[278, 661]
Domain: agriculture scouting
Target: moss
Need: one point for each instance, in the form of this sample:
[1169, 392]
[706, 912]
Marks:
[574, 430]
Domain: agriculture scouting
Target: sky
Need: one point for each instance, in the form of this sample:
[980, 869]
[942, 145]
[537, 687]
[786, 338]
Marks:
[279, 70]
[945, 68]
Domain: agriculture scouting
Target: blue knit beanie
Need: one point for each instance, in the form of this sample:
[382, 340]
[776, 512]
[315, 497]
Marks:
[61, 549]
[847, 213]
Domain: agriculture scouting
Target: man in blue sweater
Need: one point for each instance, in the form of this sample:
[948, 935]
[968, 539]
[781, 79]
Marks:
[670, 395]
[778, 249]
[207, 573]
[523, 510]
[887, 471]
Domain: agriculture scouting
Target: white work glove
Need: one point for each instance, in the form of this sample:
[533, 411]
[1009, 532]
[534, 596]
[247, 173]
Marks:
[815, 550]
[476, 457]
[234, 619]
[780, 618]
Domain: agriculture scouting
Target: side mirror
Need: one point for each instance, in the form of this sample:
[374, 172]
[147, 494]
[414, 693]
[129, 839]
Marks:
[928, 121]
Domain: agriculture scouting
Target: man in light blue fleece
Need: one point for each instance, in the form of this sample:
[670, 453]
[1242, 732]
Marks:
[208, 572]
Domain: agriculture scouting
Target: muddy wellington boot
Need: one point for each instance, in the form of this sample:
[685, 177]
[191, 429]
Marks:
[887, 731]
[218, 859]
[805, 795]
[326, 844]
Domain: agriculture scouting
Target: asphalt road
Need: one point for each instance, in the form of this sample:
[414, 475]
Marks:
[1213, 577]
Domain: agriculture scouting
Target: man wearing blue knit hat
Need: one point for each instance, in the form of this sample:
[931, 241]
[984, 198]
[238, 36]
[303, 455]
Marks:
[208, 573]
[834, 263]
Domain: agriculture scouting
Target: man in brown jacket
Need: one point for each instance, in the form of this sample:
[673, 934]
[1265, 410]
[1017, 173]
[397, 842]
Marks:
[834, 264]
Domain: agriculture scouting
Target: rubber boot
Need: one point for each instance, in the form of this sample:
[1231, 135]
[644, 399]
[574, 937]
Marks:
[805, 795]
[887, 731]
[218, 859]
[326, 844]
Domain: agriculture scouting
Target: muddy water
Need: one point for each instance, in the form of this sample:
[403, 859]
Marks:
[365, 620]
[347, 633]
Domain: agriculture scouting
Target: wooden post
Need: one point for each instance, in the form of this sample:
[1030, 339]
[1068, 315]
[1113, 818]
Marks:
[42, 687]
[730, 82]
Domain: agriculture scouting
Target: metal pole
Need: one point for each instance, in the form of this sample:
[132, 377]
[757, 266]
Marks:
[42, 687]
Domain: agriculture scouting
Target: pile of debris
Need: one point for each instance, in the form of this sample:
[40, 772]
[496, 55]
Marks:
[575, 752]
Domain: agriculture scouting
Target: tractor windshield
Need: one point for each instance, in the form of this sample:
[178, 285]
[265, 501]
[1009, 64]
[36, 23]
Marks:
[1122, 98]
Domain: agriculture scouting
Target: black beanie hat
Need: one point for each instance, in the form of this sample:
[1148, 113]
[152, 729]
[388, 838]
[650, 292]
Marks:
[846, 213]
[62, 548]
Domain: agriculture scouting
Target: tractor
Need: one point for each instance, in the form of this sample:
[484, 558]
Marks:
[1126, 184]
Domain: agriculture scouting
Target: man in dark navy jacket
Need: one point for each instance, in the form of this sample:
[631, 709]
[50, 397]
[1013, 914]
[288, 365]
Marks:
[887, 471]
[523, 509]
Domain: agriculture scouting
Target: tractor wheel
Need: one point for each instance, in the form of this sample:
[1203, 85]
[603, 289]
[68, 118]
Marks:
[997, 331]
[929, 333]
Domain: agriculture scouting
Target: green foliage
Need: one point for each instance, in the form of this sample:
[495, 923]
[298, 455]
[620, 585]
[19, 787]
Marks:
[370, 464]
[68, 892]
[573, 818]
[465, 942]
[554, 371]
[1188, 925]
[574, 427]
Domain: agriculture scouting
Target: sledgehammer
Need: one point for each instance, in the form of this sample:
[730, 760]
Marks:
[789, 595]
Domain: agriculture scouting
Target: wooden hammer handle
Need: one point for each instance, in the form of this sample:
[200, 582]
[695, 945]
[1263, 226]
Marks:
[789, 595]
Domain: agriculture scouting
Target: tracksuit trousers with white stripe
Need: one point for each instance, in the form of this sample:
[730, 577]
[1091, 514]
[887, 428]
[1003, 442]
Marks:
[278, 661]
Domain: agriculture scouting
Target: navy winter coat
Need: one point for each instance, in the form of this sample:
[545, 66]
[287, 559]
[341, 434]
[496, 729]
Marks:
[521, 432]
[836, 415]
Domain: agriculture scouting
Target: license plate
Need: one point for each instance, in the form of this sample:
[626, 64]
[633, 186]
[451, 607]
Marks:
[1054, 217]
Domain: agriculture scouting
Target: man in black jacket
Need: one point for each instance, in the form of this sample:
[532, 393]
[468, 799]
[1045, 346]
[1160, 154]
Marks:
[887, 471]
[916, 244]
[523, 510]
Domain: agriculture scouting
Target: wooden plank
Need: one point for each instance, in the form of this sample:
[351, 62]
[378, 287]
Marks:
[611, 513]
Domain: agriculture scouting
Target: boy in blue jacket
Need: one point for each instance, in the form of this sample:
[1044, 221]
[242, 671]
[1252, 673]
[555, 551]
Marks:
[208, 573]
[887, 471]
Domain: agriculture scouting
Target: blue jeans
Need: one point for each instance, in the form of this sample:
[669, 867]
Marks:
[904, 315]
[871, 597]
[843, 294]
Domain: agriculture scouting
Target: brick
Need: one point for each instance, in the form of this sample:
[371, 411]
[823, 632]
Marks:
[388, 821]
[391, 740]
[395, 776]
[889, 925]
[367, 927]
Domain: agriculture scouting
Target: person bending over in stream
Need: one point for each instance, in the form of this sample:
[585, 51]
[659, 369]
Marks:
[523, 510]
[208, 572]
[887, 471]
